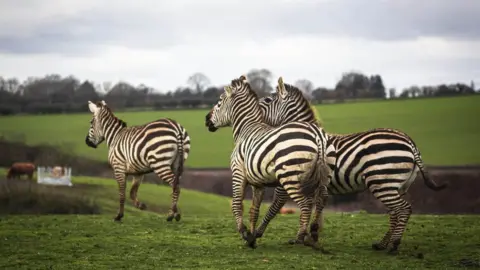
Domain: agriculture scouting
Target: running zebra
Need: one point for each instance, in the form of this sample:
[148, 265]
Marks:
[291, 156]
[161, 146]
[386, 161]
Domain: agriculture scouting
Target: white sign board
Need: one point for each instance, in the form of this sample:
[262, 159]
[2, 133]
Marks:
[55, 176]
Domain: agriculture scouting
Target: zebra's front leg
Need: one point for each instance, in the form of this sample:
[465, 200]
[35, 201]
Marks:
[254, 211]
[120, 177]
[137, 180]
[238, 194]
[280, 197]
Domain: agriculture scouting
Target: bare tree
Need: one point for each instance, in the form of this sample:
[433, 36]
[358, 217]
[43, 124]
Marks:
[260, 80]
[107, 86]
[198, 82]
[305, 86]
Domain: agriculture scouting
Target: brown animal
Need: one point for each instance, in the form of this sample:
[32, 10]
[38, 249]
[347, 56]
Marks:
[287, 210]
[21, 168]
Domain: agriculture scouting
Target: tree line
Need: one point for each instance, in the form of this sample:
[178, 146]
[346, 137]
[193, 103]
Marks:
[56, 94]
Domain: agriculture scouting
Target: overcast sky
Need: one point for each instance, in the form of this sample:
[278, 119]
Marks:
[160, 43]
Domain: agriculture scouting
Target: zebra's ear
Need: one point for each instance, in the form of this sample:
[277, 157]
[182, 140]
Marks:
[281, 91]
[93, 108]
[228, 90]
[104, 103]
[243, 78]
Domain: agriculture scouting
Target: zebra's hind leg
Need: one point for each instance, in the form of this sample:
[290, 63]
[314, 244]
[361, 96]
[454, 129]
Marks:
[305, 203]
[254, 211]
[403, 215]
[280, 197]
[383, 244]
[137, 180]
[320, 203]
[399, 211]
[165, 173]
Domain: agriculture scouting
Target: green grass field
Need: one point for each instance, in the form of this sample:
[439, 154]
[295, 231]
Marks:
[206, 238]
[445, 129]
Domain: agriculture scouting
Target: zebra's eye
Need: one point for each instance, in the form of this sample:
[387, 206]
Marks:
[267, 99]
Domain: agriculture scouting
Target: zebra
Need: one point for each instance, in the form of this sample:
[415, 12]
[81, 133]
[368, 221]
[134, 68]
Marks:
[161, 146]
[291, 156]
[385, 161]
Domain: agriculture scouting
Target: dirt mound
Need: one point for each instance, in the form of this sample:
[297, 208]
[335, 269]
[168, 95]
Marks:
[27, 197]
[48, 155]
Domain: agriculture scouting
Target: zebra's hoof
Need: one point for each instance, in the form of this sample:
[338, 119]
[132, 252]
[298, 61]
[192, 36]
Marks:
[378, 246]
[253, 244]
[295, 242]
[309, 242]
[142, 206]
[314, 236]
[250, 239]
[170, 218]
[324, 251]
[177, 216]
[118, 218]
[393, 251]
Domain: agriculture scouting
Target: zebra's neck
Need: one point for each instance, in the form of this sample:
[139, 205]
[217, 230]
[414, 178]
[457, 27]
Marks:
[305, 113]
[298, 113]
[111, 127]
[245, 115]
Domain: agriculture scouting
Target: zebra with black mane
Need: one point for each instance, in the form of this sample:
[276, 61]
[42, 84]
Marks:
[160, 146]
[385, 161]
[291, 156]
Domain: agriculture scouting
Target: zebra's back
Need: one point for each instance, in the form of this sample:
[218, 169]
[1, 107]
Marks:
[143, 148]
[384, 154]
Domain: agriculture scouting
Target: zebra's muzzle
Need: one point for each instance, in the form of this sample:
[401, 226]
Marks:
[209, 123]
[89, 143]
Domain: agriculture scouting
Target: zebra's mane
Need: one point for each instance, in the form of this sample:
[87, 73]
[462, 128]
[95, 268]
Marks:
[241, 82]
[109, 111]
[315, 114]
[296, 91]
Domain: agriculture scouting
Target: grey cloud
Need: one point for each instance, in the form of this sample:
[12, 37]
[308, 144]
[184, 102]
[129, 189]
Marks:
[384, 20]
[87, 32]
[370, 19]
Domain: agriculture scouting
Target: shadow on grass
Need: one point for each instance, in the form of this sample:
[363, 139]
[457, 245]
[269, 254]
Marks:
[28, 197]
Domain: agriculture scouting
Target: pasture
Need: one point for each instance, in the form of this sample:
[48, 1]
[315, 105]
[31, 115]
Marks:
[206, 237]
[445, 129]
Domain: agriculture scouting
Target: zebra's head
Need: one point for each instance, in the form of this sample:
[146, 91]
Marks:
[287, 104]
[95, 134]
[221, 114]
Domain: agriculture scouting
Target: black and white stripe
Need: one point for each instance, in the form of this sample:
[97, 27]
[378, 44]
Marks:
[291, 156]
[161, 146]
[385, 161]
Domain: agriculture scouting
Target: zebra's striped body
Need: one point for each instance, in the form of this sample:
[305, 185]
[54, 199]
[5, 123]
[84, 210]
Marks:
[291, 156]
[161, 146]
[385, 161]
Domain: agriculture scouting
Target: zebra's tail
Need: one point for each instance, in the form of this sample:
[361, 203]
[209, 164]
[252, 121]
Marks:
[426, 178]
[322, 169]
[178, 162]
